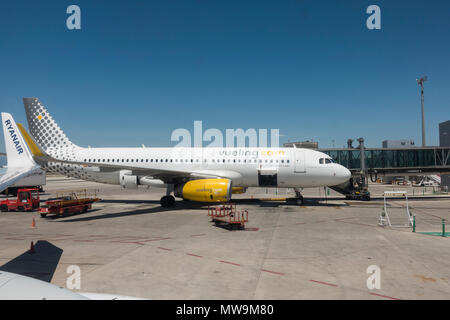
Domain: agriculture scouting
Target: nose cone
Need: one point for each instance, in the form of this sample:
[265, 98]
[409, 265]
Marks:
[343, 174]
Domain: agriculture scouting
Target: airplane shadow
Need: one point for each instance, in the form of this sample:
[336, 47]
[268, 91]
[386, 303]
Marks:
[178, 206]
[182, 205]
[40, 265]
[57, 216]
[131, 201]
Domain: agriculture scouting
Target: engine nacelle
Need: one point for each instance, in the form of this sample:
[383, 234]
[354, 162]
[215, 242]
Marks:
[205, 190]
[152, 182]
[239, 190]
[128, 181]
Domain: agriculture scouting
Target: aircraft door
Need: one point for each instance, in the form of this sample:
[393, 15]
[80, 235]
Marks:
[299, 165]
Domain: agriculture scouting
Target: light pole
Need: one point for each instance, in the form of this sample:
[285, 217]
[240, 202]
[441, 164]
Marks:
[420, 83]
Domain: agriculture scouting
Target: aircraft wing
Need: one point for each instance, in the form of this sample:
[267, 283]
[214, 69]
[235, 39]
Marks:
[167, 175]
[13, 175]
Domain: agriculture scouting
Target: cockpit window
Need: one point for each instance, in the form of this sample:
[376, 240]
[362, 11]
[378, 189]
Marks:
[326, 160]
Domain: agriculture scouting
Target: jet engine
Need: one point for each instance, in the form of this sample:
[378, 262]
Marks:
[128, 181]
[205, 190]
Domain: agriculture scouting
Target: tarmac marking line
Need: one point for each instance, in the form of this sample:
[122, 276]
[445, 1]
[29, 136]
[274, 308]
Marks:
[274, 272]
[194, 255]
[198, 235]
[383, 296]
[228, 262]
[325, 283]
[135, 242]
[158, 239]
[167, 249]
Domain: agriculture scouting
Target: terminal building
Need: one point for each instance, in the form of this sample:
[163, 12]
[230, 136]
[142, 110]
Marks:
[398, 144]
[444, 141]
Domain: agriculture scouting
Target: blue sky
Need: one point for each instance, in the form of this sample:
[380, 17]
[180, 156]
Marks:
[137, 70]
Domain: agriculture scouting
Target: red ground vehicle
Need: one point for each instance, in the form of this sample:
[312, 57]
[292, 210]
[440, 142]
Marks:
[27, 200]
[69, 202]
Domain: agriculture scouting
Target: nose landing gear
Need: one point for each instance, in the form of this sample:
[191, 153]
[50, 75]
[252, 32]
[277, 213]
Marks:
[300, 201]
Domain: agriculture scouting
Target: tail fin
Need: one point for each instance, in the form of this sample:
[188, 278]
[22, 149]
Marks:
[43, 128]
[35, 149]
[17, 152]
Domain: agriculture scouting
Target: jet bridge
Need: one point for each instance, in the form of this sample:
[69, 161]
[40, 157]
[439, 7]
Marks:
[365, 163]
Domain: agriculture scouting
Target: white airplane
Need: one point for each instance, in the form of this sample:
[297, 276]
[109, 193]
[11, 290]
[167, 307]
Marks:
[20, 160]
[196, 174]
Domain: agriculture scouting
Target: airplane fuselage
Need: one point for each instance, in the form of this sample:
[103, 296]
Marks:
[246, 167]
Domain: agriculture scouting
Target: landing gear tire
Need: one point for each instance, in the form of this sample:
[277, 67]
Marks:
[300, 201]
[167, 201]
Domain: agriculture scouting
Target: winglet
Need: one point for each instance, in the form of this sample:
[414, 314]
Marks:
[17, 151]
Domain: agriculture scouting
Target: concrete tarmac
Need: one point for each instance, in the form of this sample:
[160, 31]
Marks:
[129, 245]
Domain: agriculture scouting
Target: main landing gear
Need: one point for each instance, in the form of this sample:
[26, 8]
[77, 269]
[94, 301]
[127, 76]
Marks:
[168, 200]
[299, 197]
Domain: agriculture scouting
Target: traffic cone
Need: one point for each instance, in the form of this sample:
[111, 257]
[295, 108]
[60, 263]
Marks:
[31, 248]
[33, 224]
